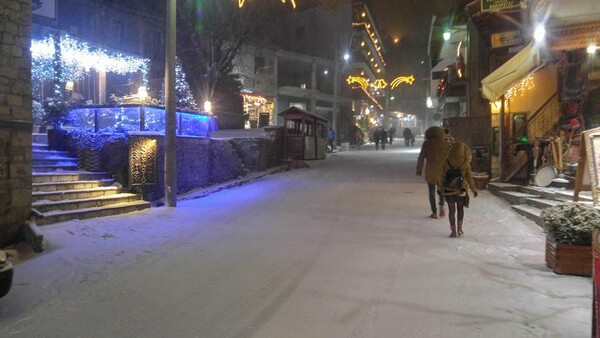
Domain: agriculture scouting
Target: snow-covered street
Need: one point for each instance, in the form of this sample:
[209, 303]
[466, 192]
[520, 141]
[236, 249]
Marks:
[342, 249]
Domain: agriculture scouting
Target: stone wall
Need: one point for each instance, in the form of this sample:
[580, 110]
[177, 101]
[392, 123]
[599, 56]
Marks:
[202, 162]
[15, 117]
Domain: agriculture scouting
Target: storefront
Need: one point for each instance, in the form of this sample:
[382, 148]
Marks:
[258, 110]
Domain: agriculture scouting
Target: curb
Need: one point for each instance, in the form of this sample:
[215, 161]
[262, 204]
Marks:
[203, 192]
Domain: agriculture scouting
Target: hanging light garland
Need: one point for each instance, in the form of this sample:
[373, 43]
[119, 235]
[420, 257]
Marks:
[520, 88]
[77, 58]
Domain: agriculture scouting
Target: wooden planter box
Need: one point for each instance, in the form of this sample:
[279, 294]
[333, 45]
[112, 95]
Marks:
[569, 259]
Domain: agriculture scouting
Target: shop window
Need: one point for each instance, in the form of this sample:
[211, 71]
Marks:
[519, 127]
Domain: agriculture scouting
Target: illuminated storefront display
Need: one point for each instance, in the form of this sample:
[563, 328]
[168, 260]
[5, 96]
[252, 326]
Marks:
[258, 110]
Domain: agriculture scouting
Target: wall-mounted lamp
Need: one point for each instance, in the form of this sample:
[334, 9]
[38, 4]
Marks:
[591, 49]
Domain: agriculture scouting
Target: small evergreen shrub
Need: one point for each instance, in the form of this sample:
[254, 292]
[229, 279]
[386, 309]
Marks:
[571, 223]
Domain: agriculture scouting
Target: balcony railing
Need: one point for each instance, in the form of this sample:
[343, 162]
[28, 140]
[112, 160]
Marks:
[125, 118]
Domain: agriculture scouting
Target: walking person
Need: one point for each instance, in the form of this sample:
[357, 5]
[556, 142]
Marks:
[330, 138]
[383, 137]
[455, 181]
[392, 134]
[377, 137]
[408, 136]
[432, 156]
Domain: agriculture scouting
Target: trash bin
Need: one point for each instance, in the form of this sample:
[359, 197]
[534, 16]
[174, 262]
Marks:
[481, 180]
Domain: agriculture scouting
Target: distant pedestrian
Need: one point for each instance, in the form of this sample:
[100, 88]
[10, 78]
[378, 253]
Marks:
[330, 138]
[392, 134]
[456, 195]
[383, 137]
[377, 137]
[408, 136]
[432, 156]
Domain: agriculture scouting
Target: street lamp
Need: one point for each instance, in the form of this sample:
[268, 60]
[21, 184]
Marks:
[539, 33]
[447, 35]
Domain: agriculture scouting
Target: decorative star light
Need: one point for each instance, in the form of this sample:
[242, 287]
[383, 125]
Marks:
[362, 82]
[402, 79]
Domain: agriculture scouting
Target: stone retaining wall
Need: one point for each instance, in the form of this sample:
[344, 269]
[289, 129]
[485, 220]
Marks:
[15, 117]
[202, 162]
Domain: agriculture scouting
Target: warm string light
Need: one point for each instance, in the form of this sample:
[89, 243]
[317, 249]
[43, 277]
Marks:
[293, 2]
[254, 100]
[520, 88]
[76, 58]
[371, 35]
[372, 98]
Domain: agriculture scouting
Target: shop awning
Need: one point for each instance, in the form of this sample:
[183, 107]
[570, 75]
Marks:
[511, 72]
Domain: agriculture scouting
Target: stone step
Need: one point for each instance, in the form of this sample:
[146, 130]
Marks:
[542, 203]
[41, 154]
[54, 167]
[55, 161]
[114, 209]
[39, 146]
[496, 187]
[530, 212]
[40, 138]
[67, 176]
[63, 195]
[567, 195]
[84, 203]
[73, 185]
[516, 197]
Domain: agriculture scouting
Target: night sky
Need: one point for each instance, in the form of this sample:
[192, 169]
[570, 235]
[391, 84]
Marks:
[409, 21]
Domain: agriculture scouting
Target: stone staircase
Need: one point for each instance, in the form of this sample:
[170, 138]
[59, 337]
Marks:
[531, 200]
[61, 192]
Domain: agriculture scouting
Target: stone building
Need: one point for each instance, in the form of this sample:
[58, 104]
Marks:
[15, 117]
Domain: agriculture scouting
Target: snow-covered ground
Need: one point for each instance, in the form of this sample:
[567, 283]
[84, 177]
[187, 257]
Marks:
[343, 249]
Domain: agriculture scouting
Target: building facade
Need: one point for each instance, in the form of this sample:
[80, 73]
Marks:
[15, 118]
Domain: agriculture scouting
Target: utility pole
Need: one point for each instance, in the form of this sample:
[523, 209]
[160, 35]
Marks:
[170, 137]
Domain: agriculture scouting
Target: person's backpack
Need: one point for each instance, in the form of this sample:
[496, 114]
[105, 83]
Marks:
[453, 179]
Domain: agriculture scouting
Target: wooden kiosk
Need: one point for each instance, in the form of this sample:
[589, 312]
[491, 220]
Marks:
[305, 135]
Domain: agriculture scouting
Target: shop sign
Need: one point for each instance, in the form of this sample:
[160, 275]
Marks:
[506, 39]
[574, 37]
[498, 5]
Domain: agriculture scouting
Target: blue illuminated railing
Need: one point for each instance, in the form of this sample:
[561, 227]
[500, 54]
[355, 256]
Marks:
[125, 118]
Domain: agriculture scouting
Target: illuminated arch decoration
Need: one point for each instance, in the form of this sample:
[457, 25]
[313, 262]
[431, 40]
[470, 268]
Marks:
[402, 79]
[361, 81]
[379, 84]
[293, 2]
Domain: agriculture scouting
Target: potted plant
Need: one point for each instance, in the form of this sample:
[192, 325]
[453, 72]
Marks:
[568, 228]
[89, 151]
[56, 115]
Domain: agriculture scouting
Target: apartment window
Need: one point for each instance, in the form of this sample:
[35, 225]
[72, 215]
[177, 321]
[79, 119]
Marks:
[259, 63]
[300, 32]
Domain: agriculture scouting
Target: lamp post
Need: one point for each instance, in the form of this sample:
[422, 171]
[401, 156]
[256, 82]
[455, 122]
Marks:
[170, 137]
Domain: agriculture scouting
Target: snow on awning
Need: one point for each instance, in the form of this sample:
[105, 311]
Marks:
[525, 62]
